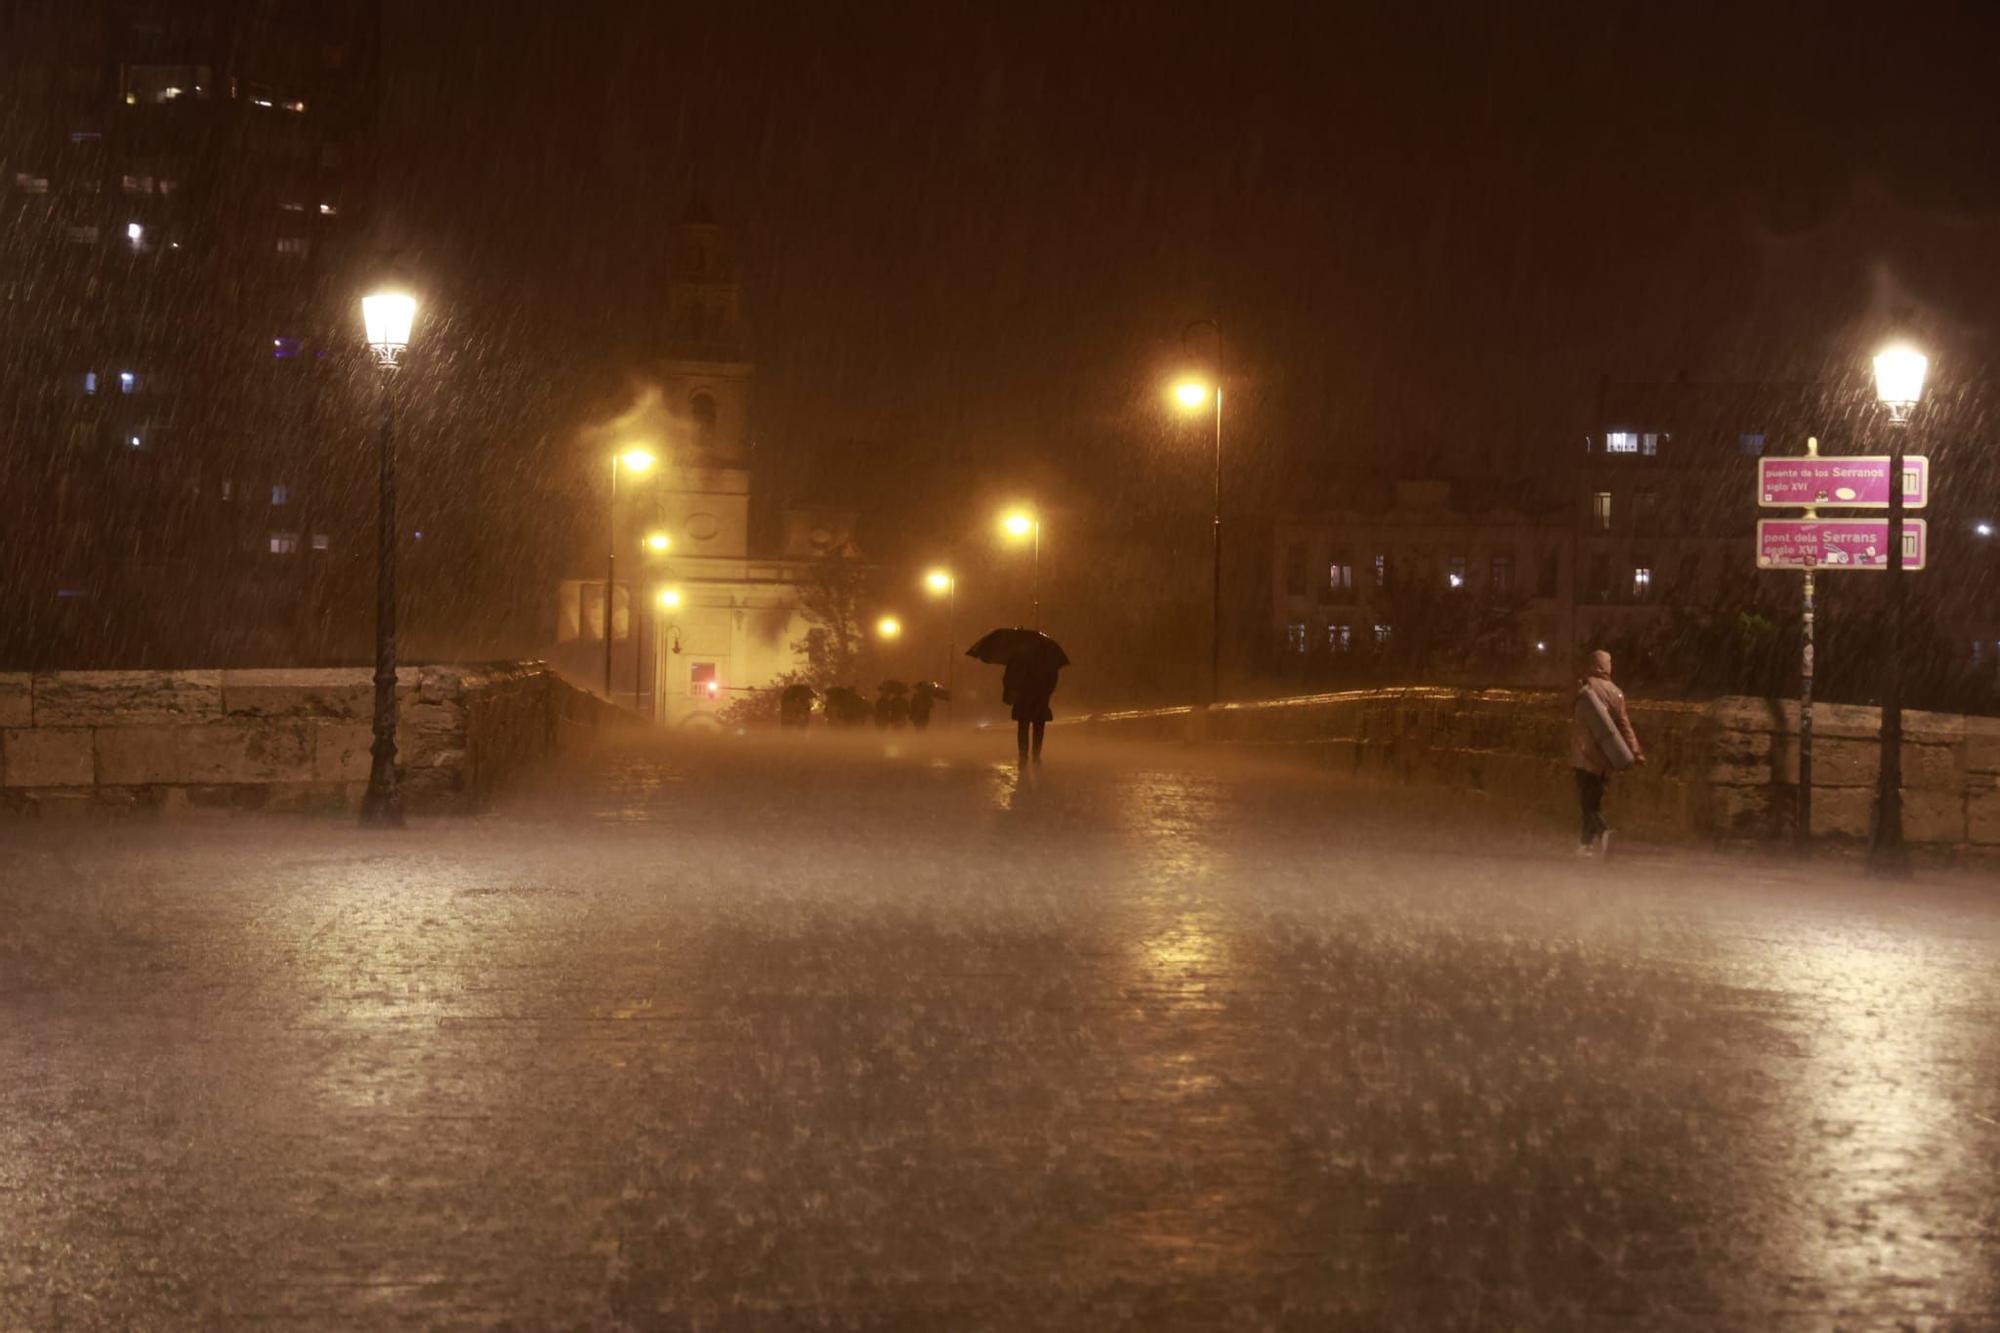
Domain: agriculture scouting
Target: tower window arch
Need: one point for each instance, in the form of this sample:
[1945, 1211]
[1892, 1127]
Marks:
[702, 408]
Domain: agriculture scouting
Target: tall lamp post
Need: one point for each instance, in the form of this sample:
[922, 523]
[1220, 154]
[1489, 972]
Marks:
[1193, 395]
[943, 583]
[1899, 385]
[1025, 525]
[638, 462]
[386, 317]
[656, 544]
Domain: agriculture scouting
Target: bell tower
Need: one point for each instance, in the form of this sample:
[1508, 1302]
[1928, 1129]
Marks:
[706, 376]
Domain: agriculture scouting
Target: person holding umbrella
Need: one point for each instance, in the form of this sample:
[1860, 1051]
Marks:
[1032, 661]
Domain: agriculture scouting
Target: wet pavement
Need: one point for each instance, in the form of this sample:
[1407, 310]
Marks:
[755, 1036]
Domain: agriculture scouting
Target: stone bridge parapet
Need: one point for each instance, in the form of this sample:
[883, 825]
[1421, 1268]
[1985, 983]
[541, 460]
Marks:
[278, 739]
[1721, 768]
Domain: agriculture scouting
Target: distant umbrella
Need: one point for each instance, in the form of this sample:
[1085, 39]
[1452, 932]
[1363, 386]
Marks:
[892, 687]
[1004, 647]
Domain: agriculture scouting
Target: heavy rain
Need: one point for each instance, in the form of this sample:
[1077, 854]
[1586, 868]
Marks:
[859, 665]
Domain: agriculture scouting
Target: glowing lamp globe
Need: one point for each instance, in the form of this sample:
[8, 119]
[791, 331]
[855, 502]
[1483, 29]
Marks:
[387, 318]
[1899, 379]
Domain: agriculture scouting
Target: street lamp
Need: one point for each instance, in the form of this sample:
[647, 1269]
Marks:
[1022, 525]
[386, 318]
[1899, 386]
[888, 627]
[638, 462]
[659, 543]
[1194, 395]
[943, 583]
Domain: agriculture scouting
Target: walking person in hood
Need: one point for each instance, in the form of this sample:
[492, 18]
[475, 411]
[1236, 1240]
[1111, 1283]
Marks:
[1601, 742]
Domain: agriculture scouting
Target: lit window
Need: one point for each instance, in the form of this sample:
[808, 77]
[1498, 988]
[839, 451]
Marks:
[281, 494]
[1649, 445]
[1621, 442]
[284, 543]
[292, 245]
[1750, 446]
[29, 183]
[127, 382]
[1600, 511]
[1340, 638]
[1340, 578]
[133, 442]
[167, 186]
[1295, 636]
[228, 489]
[138, 184]
[296, 105]
[1454, 573]
[90, 381]
[320, 541]
[284, 349]
[702, 683]
[1381, 571]
[329, 210]
[1642, 581]
[291, 206]
[1382, 633]
[135, 234]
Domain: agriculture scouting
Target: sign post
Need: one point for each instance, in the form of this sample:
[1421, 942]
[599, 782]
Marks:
[1802, 833]
[1809, 544]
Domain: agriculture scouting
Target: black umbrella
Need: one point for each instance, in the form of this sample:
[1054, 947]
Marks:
[1005, 647]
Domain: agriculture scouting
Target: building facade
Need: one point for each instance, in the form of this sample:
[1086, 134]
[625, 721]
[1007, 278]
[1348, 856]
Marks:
[183, 182]
[707, 605]
[1427, 583]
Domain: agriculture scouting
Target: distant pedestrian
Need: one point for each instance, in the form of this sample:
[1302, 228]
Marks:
[795, 707]
[892, 704]
[1028, 684]
[1601, 742]
[1032, 661]
[923, 698]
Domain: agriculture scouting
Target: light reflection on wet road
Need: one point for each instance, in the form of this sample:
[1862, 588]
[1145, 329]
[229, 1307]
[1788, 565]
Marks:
[750, 1036]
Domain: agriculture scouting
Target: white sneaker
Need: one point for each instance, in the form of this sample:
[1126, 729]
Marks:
[1585, 849]
[1604, 843]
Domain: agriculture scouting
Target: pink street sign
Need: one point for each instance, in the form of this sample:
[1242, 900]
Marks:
[1860, 482]
[1837, 543]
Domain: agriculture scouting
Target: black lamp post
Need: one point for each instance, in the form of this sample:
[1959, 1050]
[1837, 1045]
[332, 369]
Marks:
[387, 317]
[1193, 395]
[1899, 384]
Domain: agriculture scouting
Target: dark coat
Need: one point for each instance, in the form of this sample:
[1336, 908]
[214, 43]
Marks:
[1027, 687]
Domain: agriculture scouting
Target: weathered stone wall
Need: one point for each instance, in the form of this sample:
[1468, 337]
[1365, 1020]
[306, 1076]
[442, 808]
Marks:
[1725, 768]
[275, 739]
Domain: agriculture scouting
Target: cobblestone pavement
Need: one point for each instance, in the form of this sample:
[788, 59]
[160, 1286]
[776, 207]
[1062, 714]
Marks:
[844, 1035]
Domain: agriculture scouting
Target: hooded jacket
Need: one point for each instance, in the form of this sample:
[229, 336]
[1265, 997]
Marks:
[1583, 749]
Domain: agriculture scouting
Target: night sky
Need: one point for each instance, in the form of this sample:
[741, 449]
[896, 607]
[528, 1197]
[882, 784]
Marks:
[971, 236]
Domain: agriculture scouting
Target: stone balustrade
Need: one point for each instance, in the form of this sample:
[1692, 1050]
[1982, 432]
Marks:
[1725, 768]
[288, 740]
